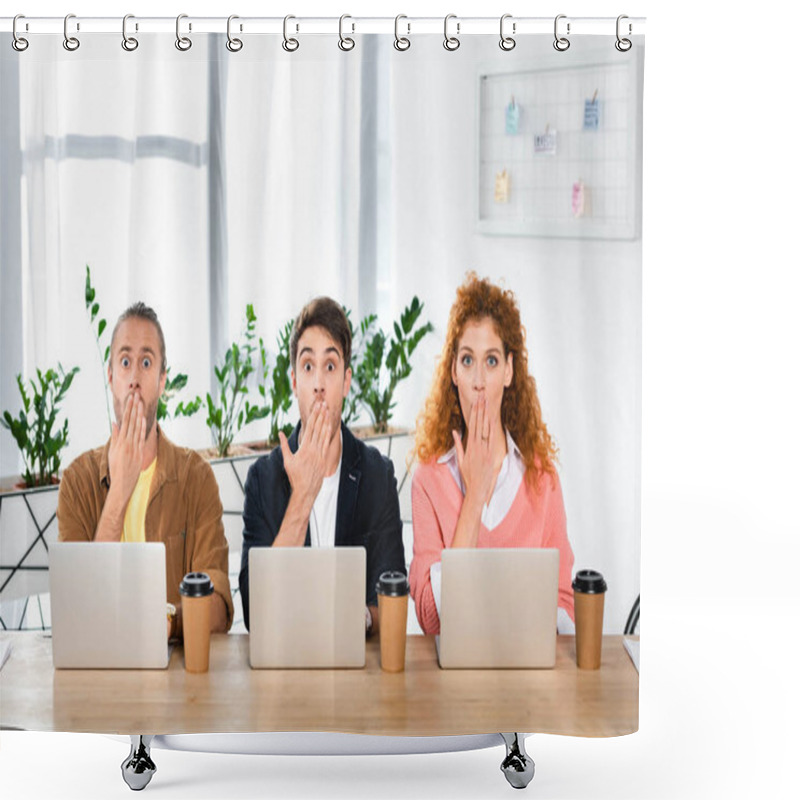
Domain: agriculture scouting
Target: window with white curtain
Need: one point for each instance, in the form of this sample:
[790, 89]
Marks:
[195, 183]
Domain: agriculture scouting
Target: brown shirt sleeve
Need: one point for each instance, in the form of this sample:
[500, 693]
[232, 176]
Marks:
[76, 522]
[209, 548]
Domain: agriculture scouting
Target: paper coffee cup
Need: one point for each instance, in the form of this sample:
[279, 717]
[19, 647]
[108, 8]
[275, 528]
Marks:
[196, 590]
[392, 590]
[589, 589]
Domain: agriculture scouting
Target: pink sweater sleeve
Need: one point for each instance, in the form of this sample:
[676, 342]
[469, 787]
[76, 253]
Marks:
[555, 535]
[428, 546]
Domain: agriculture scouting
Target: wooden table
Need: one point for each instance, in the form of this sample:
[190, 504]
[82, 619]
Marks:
[422, 701]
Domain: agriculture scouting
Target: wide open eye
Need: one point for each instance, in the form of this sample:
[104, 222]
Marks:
[146, 362]
[466, 360]
[125, 362]
[492, 361]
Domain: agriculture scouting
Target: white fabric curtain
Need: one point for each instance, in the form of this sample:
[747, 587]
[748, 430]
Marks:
[114, 175]
[191, 181]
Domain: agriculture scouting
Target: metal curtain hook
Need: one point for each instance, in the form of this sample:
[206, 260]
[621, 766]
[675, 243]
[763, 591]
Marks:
[233, 44]
[70, 42]
[289, 45]
[19, 43]
[183, 43]
[561, 43]
[129, 43]
[507, 42]
[346, 43]
[623, 45]
[401, 43]
[451, 42]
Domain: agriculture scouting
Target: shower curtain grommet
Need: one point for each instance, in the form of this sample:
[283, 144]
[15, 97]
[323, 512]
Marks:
[289, 44]
[401, 43]
[233, 44]
[623, 44]
[183, 43]
[561, 43]
[129, 43]
[346, 43]
[19, 43]
[507, 43]
[71, 43]
[451, 43]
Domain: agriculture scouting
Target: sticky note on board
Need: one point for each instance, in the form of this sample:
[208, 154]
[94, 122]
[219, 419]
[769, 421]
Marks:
[512, 118]
[591, 114]
[544, 144]
[581, 200]
[502, 187]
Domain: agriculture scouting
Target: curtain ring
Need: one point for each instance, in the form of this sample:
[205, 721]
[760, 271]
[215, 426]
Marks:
[70, 42]
[401, 43]
[346, 43]
[623, 45]
[129, 43]
[289, 45]
[233, 44]
[183, 43]
[451, 43]
[19, 43]
[507, 42]
[561, 43]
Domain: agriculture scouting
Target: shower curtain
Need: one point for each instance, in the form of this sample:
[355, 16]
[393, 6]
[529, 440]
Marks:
[206, 180]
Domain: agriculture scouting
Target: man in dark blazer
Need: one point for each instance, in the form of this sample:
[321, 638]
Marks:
[323, 487]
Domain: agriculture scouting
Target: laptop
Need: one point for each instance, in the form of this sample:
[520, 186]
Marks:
[498, 608]
[307, 607]
[108, 605]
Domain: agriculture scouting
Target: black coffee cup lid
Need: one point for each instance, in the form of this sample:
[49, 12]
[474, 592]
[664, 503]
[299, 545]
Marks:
[588, 581]
[196, 584]
[392, 584]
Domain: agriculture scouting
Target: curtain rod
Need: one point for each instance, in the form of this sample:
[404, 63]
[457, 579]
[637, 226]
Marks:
[460, 26]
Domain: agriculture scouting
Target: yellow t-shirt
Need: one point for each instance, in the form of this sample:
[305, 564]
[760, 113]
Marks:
[133, 530]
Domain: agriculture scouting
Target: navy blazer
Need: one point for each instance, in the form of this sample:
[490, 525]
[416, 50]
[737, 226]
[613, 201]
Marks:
[367, 510]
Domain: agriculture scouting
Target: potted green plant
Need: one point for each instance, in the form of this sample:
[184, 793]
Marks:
[384, 363]
[232, 411]
[359, 335]
[280, 393]
[39, 441]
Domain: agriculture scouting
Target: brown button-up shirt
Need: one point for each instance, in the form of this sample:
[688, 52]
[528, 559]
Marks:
[184, 511]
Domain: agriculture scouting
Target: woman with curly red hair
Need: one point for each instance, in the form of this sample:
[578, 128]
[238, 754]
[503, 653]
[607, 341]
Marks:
[487, 475]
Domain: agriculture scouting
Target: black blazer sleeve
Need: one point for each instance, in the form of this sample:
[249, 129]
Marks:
[385, 535]
[261, 517]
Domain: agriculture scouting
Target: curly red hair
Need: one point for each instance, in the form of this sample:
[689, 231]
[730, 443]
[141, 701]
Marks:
[521, 412]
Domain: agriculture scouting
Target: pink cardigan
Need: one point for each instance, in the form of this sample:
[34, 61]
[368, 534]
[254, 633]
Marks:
[534, 520]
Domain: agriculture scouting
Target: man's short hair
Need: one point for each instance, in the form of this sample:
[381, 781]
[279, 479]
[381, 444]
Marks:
[141, 311]
[326, 313]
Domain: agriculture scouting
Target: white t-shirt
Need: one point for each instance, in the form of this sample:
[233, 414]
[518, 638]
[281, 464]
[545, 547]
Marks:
[323, 515]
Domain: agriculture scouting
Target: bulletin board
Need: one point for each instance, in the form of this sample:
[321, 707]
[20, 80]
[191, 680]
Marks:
[559, 148]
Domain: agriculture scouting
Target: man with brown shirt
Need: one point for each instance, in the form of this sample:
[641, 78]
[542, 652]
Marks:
[141, 487]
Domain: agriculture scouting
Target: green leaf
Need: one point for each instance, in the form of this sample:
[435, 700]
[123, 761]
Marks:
[95, 309]
[178, 382]
[101, 326]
